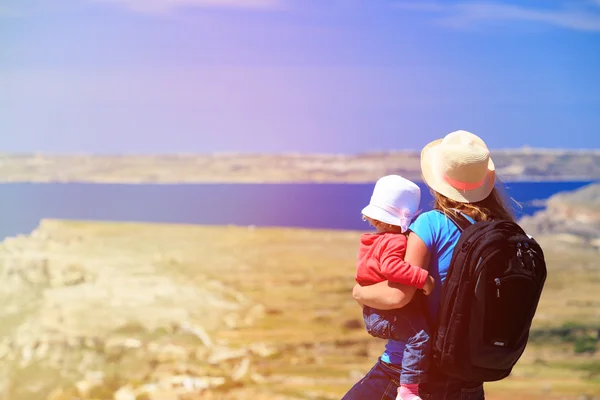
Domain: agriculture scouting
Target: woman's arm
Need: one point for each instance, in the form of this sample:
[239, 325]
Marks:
[389, 295]
[384, 295]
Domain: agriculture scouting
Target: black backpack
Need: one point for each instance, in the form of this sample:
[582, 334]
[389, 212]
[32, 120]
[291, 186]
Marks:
[488, 300]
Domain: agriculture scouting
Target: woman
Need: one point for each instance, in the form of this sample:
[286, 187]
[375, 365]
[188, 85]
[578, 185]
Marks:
[461, 175]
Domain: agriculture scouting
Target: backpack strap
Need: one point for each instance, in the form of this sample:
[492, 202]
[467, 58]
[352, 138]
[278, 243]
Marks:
[457, 219]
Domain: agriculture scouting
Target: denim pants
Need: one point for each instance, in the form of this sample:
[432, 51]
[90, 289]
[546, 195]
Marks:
[381, 383]
[408, 325]
[442, 387]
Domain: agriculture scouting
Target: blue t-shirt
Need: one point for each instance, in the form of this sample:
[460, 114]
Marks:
[440, 235]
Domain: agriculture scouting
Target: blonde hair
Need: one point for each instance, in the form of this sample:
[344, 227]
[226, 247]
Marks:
[376, 223]
[492, 207]
[371, 221]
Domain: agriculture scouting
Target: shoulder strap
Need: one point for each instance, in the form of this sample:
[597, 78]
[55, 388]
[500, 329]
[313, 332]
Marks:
[457, 219]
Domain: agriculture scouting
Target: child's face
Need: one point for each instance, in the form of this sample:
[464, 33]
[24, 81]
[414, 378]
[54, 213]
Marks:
[382, 227]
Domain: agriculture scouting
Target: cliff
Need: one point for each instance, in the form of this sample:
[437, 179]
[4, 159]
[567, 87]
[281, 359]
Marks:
[572, 216]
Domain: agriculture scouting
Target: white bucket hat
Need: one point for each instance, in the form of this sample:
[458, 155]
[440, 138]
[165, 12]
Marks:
[395, 201]
[459, 167]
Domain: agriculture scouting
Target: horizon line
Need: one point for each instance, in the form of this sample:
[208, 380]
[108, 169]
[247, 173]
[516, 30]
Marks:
[522, 150]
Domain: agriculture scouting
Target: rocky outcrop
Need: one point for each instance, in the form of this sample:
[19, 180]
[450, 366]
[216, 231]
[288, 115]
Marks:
[73, 311]
[572, 216]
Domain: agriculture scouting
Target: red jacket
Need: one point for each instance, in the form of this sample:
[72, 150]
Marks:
[381, 257]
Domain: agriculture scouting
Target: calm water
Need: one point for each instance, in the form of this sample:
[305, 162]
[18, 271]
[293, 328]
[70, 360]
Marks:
[335, 206]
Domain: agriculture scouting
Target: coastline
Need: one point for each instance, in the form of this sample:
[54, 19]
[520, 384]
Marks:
[519, 165]
[239, 311]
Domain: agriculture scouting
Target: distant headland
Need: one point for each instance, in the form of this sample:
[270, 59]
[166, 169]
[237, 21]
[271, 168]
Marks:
[526, 164]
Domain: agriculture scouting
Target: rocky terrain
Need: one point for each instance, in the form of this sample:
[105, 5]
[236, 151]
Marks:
[85, 319]
[117, 311]
[514, 165]
[572, 217]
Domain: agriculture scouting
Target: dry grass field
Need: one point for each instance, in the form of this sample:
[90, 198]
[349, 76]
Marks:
[112, 306]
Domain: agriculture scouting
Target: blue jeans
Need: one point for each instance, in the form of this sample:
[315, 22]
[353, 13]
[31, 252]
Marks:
[408, 325]
[442, 387]
[381, 383]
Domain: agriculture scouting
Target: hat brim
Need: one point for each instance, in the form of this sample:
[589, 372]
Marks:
[435, 179]
[381, 215]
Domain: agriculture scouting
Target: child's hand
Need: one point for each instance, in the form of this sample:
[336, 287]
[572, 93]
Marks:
[429, 285]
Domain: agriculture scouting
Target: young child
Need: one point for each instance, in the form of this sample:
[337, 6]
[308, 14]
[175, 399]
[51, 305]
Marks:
[394, 203]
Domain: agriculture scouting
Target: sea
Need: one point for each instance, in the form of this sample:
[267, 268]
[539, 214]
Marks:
[310, 205]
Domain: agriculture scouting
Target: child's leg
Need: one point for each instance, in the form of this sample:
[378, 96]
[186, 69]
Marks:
[411, 327]
[414, 366]
[416, 359]
[378, 322]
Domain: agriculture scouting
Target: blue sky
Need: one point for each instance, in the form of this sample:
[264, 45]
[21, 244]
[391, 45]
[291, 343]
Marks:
[163, 76]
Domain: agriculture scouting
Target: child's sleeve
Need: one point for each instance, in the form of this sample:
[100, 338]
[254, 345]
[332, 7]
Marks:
[395, 269]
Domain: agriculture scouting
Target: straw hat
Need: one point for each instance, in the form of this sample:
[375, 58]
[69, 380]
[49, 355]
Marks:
[395, 201]
[459, 167]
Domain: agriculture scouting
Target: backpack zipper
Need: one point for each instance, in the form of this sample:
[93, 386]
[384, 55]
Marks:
[497, 280]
